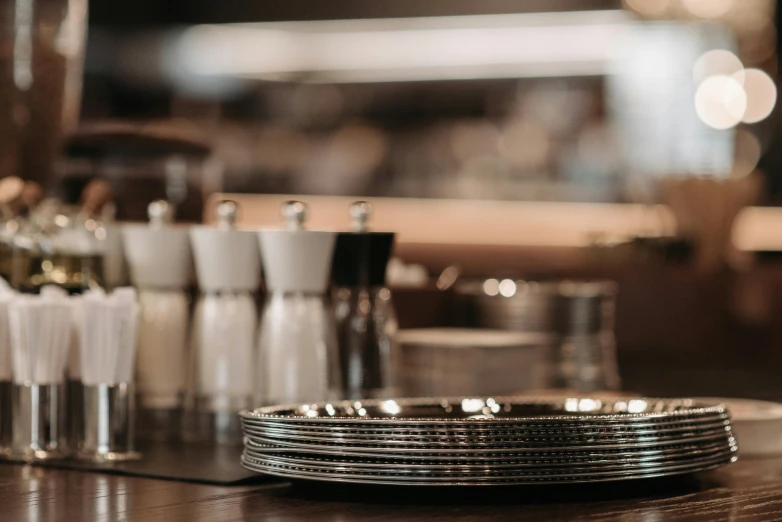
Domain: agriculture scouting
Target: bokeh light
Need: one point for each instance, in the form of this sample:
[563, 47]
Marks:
[747, 153]
[491, 287]
[651, 8]
[708, 8]
[717, 62]
[761, 94]
[720, 101]
[508, 288]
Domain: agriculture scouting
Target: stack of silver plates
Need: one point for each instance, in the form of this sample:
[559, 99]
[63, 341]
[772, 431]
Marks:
[487, 441]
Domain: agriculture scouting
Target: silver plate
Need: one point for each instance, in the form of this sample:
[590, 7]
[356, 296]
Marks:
[482, 471]
[503, 445]
[403, 472]
[483, 424]
[405, 450]
[560, 455]
[484, 428]
[495, 410]
[367, 478]
[530, 461]
[419, 438]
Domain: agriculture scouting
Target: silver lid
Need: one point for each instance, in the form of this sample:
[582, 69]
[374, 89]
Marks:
[160, 212]
[227, 213]
[360, 212]
[295, 214]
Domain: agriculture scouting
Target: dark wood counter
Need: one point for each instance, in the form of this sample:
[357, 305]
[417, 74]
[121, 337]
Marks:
[747, 490]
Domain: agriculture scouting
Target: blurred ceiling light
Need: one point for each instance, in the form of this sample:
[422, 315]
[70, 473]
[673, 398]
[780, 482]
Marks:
[747, 153]
[427, 48]
[652, 8]
[717, 62]
[720, 102]
[472, 405]
[761, 94]
[708, 8]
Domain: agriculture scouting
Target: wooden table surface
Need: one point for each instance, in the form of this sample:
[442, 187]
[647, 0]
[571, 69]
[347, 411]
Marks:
[748, 490]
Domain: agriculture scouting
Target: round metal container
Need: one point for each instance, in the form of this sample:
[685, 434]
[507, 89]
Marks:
[578, 315]
[458, 361]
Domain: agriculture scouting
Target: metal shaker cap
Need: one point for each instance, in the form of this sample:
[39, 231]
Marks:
[227, 213]
[360, 212]
[294, 213]
[160, 212]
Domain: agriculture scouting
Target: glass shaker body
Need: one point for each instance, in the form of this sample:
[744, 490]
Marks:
[160, 267]
[366, 324]
[298, 347]
[7, 230]
[225, 323]
[223, 365]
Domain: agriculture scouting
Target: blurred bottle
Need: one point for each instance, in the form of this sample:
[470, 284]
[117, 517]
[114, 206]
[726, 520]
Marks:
[60, 245]
[11, 189]
[40, 81]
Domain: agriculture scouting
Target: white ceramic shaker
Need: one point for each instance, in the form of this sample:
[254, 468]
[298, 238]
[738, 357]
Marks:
[160, 265]
[298, 344]
[223, 340]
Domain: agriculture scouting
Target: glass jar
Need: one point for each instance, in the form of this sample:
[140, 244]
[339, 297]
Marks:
[59, 246]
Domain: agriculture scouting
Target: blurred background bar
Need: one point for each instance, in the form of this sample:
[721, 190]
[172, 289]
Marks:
[503, 141]
[588, 101]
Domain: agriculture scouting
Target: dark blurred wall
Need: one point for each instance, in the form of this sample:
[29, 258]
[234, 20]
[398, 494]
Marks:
[175, 12]
[771, 162]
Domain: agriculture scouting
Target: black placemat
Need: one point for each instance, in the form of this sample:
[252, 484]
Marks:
[207, 464]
